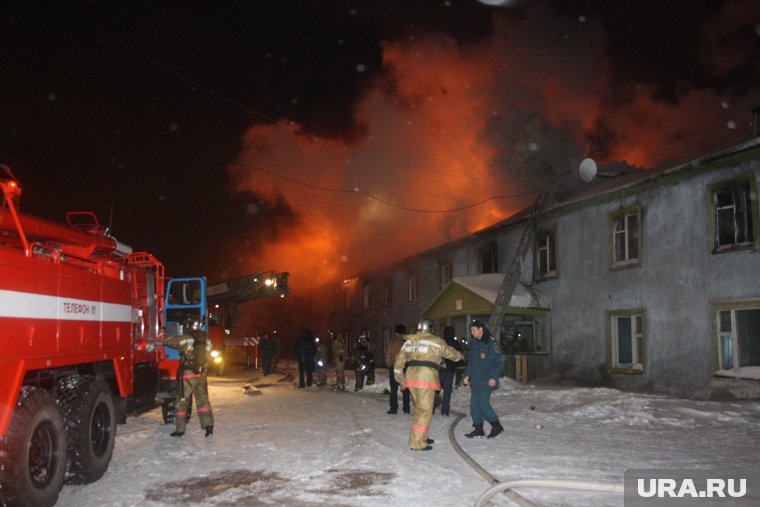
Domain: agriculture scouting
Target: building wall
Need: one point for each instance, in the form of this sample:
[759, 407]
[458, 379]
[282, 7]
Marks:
[674, 284]
[676, 281]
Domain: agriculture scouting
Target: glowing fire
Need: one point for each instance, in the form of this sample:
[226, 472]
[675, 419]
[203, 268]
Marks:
[450, 125]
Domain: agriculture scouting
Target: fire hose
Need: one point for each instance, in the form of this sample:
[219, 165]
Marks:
[546, 483]
[506, 487]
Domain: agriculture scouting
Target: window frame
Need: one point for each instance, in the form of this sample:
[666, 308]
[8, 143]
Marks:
[445, 273]
[732, 308]
[367, 295]
[387, 294]
[751, 213]
[637, 366]
[489, 253]
[412, 287]
[613, 218]
[544, 238]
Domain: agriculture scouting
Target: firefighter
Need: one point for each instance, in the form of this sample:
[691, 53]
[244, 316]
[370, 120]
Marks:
[339, 355]
[320, 362]
[364, 364]
[192, 380]
[416, 369]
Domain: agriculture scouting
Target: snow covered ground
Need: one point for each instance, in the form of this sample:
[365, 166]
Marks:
[304, 447]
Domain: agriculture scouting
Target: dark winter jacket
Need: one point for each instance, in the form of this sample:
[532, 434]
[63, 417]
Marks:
[448, 337]
[305, 349]
[484, 360]
[266, 347]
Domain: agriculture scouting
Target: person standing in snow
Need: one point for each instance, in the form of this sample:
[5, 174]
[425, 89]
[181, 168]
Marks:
[448, 371]
[416, 369]
[277, 349]
[394, 346]
[266, 347]
[484, 365]
[339, 356]
[305, 350]
[364, 364]
[195, 349]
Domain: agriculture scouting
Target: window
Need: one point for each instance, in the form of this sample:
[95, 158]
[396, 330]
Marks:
[626, 233]
[445, 274]
[627, 342]
[489, 259]
[546, 254]
[733, 214]
[738, 339]
[349, 285]
[412, 287]
[387, 294]
[366, 295]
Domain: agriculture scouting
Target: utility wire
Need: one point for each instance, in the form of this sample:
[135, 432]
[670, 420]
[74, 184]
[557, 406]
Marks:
[380, 199]
[242, 106]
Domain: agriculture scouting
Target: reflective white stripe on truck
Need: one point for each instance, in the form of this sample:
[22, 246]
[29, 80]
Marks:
[25, 305]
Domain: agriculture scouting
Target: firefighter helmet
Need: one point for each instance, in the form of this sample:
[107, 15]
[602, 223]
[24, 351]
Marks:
[426, 325]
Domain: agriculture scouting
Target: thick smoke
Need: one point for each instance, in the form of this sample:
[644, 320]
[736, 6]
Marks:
[448, 125]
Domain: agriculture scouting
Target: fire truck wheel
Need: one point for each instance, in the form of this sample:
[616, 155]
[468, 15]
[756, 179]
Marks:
[88, 407]
[33, 452]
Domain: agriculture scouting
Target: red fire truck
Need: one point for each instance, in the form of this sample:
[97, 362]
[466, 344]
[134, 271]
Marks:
[81, 347]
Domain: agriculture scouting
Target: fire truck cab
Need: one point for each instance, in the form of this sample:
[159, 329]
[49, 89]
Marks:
[81, 322]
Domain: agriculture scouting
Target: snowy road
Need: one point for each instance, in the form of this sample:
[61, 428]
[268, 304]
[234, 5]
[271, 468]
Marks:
[301, 447]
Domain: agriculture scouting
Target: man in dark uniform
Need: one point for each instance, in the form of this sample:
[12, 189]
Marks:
[484, 364]
[192, 381]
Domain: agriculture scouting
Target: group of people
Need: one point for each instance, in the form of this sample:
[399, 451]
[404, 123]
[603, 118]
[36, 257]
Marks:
[311, 354]
[426, 363]
[422, 364]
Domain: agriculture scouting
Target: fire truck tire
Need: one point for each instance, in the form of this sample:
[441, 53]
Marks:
[33, 451]
[88, 407]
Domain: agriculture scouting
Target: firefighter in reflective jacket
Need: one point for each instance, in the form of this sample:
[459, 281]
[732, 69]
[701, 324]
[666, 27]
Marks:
[416, 369]
[339, 355]
[192, 381]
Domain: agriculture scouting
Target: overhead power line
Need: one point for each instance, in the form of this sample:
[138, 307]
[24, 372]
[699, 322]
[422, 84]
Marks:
[380, 199]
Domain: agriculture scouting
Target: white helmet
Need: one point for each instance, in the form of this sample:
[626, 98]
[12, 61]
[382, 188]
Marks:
[426, 325]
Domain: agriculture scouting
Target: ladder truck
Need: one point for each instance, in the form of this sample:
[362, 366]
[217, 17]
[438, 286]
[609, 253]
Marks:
[217, 307]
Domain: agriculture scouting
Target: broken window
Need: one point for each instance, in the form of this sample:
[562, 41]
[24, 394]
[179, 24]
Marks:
[626, 234]
[733, 214]
[546, 254]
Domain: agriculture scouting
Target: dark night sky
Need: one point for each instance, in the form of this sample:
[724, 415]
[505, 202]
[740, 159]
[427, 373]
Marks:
[143, 107]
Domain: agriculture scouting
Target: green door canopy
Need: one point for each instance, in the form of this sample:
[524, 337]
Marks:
[476, 294]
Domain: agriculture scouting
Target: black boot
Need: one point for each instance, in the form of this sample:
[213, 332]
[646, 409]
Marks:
[177, 433]
[496, 428]
[477, 432]
[209, 430]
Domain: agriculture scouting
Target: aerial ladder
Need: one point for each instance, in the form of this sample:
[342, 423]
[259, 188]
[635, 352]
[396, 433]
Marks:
[504, 294]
